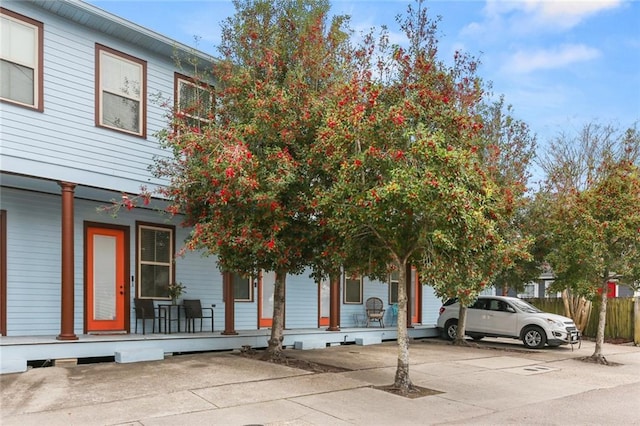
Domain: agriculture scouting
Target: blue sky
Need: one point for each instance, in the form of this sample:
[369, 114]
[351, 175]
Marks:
[561, 64]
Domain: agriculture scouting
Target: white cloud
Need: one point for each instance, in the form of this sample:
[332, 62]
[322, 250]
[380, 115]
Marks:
[531, 15]
[523, 62]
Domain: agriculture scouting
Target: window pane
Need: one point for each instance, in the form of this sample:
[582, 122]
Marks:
[194, 100]
[120, 76]
[241, 288]
[268, 287]
[325, 302]
[154, 280]
[104, 278]
[352, 291]
[120, 112]
[393, 292]
[18, 42]
[17, 83]
[155, 245]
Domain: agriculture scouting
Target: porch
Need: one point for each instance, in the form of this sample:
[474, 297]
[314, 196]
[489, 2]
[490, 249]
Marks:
[17, 352]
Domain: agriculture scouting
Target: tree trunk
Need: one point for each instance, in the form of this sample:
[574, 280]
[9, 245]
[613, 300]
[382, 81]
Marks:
[567, 304]
[582, 314]
[274, 349]
[577, 308]
[462, 327]
[602, 319]
[402, 381]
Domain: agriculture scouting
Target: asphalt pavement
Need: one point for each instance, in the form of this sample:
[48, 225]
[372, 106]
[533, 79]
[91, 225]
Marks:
[498, 382]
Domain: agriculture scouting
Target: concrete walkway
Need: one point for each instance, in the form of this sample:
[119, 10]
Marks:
[498, 382]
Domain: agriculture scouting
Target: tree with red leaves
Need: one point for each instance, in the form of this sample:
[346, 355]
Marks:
[242, 178]
[403, 145]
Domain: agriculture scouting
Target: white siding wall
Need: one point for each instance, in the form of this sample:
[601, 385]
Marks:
[301, 302]
[430, 306]
[63, 141]
[33, 263]
[246, 313]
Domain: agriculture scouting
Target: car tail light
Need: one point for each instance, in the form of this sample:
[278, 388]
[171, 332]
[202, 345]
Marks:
[442, 309]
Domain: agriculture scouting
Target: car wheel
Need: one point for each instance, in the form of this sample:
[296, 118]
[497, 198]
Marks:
[534, 337]
[451, 329]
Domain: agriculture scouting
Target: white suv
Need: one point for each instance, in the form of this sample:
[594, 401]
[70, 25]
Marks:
[500, 316]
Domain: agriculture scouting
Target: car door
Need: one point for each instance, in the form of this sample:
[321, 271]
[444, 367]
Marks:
[500, 318]
[475, 314]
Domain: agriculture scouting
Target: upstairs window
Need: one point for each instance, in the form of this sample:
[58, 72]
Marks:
[194, 101]
[21, 42]
[120, 91]
[155, 261]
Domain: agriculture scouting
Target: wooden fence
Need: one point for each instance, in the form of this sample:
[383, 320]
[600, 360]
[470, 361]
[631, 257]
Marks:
[621, 318]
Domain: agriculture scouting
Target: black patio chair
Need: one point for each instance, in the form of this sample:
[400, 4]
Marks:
[145, 310]
[193, 310]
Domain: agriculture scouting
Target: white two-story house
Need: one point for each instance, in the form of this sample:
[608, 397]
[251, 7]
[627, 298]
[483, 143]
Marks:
[83, 92]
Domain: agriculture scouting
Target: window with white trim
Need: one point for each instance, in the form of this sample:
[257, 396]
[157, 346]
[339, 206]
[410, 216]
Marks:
[194, 100]
[20, 60]
[121, 89]
[394, 280]
[352, 289]
[155, 261]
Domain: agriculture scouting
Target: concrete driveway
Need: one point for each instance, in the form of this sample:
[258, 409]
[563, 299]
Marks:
[498, 382]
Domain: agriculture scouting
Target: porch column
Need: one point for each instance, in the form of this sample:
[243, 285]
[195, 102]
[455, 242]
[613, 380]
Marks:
[68, 281]
[229, 304]
[334, 302]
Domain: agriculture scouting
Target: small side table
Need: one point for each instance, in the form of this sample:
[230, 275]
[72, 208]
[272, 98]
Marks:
[360, 320]
[170, 313]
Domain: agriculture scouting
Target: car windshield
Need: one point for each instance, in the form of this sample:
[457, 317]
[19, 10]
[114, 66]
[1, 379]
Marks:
[524, 306]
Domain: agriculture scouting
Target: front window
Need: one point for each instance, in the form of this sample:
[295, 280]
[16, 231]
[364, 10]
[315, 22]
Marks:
[242, 288]
[120, 81]
[394, 279]
[21, 60]
[155, 261]
[353, 290]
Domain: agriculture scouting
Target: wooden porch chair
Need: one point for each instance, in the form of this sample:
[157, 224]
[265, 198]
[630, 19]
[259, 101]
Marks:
[193, 310]
[145, 310]
[375, 311]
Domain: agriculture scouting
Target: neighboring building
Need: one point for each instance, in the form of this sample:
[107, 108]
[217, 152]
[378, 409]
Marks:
[78, 117]
[540, 288]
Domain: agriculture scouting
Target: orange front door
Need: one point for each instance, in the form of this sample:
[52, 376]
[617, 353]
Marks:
[415, 297]
[106, 280]
[323, 302]
[266, 286]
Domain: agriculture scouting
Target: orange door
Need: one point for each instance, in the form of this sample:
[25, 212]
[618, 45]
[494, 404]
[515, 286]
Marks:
[266, 285]
[323, 302]
[416, 297]
[106, 279]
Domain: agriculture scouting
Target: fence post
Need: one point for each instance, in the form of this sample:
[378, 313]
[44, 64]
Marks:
[636, 321]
